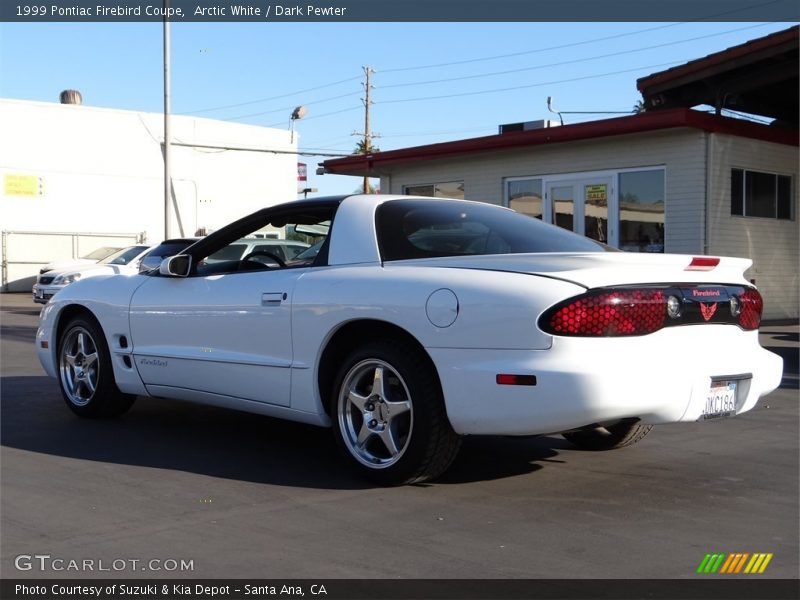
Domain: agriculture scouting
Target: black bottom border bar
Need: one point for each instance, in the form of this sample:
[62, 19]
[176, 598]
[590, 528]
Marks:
[732, 588]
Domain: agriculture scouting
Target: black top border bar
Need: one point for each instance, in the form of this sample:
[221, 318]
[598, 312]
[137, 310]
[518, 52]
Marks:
[342, 11]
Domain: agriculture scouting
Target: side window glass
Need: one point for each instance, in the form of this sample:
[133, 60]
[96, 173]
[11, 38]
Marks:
[280, 242]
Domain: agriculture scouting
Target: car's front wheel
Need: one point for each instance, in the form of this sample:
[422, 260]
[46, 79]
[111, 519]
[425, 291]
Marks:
[85, 372]
[621, 434]
[389, 416]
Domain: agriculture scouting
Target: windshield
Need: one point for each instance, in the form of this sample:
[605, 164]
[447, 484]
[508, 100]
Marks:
[101, 253]
[124, 256]
[427, 229]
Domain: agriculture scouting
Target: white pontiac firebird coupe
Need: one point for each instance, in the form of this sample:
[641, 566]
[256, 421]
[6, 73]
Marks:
[413, 321]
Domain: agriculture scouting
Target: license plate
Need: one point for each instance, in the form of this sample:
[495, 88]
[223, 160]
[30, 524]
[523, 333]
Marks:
[721, 400]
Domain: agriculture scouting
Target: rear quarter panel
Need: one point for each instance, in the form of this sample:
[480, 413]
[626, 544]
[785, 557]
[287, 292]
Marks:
[495, 310]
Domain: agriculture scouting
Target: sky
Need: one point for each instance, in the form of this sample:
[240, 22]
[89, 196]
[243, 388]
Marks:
[433, 82]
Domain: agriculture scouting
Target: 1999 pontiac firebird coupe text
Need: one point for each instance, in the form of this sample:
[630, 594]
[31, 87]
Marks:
[409, 322]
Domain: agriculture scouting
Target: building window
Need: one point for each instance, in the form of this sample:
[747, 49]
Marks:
[755, 194]
[450, 189]
[641, 211]
[525, 196]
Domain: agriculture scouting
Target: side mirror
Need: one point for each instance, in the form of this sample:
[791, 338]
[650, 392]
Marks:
[176, 266]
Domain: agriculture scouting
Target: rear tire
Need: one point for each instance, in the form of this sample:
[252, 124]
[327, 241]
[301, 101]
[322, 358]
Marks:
[625, 433]
[85, 373]
[389, 417]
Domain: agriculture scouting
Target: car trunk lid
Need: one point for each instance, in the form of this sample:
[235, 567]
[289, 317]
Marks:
[602, 269]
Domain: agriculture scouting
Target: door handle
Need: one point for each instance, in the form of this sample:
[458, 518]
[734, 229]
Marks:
[272, 298]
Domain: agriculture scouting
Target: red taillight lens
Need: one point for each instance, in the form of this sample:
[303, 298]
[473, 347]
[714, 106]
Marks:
[609, 313]
[752, 307]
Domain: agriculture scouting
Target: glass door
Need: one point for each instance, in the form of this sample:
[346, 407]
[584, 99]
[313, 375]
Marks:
[582, 206]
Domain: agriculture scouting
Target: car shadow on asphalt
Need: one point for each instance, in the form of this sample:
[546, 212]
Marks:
[484, 458]
[171, 435]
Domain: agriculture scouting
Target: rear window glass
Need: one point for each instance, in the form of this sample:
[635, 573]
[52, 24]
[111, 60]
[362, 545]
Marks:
[426, 229]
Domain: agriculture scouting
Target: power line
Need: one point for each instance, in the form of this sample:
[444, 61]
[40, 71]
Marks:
[570, 45]
[572, 61]
[466, 77]
[286, 109]
[533, 85]
[336, 112]
[257, 101]
[526, 52]
[201, 147]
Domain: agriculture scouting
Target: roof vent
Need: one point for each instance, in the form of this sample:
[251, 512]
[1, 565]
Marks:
[528, 125]
[71, 97]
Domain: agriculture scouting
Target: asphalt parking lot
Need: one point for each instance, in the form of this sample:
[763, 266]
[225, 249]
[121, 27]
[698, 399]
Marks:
[247, 496]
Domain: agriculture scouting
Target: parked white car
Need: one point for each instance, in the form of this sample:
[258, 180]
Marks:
[123, 261]
[262, 249]
[89, 259]
[414, 322]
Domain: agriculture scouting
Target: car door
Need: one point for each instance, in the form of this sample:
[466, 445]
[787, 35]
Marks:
[227, 334]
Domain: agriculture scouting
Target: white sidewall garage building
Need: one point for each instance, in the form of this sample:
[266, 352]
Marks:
[76, 177]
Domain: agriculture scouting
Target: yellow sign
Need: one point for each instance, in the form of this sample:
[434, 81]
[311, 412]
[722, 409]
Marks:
[597, 193]
[23, 185]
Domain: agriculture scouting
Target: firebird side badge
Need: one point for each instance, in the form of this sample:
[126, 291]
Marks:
[153, 362]
[708, 310]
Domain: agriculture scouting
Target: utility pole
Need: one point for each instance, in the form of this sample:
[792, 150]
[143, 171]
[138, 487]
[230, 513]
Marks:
[367, 134]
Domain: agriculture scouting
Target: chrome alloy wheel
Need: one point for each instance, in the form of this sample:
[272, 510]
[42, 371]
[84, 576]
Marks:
[79, 367]
[375, 413]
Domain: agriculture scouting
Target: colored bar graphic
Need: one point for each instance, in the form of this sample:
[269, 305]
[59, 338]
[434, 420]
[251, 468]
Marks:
[731, 564]
[717, 563]
[702, 567]
[734, 562]
[765, 563]
[754, 563]
[741, 562]
[727, 565]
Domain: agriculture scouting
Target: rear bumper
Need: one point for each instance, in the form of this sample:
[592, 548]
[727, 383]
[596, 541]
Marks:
[660, 378]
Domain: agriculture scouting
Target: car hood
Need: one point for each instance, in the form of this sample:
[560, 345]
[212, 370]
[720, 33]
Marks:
[92, 270]
[599, 269]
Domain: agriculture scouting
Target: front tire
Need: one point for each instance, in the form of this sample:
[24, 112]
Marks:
[389, 417]
[624, 433]
[85, 372]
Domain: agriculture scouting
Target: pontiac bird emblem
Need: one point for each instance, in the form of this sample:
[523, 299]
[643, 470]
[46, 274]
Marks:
[708, 310]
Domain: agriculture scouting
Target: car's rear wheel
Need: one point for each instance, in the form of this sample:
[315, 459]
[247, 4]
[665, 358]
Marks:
[85, 372]
[621, 434]
[389, 416]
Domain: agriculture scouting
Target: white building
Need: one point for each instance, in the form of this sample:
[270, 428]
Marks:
[77, 177]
